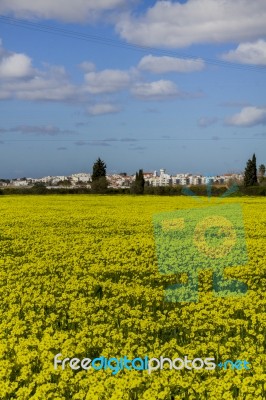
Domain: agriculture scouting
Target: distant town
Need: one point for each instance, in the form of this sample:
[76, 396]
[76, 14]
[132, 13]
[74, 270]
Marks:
[122, 180]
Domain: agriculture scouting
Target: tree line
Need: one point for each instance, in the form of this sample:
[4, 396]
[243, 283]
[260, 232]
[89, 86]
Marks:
[99, 181]
[254, 184]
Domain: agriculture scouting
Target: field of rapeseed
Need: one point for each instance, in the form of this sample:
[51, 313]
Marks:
[79, 276]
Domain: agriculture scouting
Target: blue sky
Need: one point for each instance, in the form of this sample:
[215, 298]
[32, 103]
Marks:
[151, 84]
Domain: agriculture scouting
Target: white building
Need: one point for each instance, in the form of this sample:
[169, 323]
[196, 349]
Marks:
[148, 175]
[119, 181]
[232, 177]
[181, 179]
[81, 177]
[162, 180]
[19, 183]
[195, 179]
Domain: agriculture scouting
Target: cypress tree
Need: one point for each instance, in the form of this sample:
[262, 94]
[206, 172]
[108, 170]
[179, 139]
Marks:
[98, 170]
[250, 176]
[141, 181]
[254, 170]
[138, 186]
[99, 182]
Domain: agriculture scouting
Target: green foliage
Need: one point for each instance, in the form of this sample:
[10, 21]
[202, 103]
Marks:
[99, 182]
[39, 188]
[99, 185]
[137, 186]
[250, 176]
[98, 170]
[65, 183]
[199, 190]
[252, 191]
[263, 181]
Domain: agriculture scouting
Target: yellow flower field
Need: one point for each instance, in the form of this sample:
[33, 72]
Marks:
[79, 276]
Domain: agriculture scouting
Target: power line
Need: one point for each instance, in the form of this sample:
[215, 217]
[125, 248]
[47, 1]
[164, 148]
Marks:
[80, 141]
[117, 43]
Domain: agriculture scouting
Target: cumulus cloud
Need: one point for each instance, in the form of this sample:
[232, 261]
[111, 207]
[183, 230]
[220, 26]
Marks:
[248, 53]
[52, 84]
[166, 64]
[173, 24]
[15, 66]
[103, 108]
[19, 80]
[106, 81]
[64, 10]
[157, 90]
[248, 116]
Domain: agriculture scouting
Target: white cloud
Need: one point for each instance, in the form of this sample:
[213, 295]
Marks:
[103, 108]
[64, 10]
[174, 24]
[248, 53]
[107, 81]
[15, 66]
[169, 64]
[249, 116]
[51, 84]
[157, 90]
[19, 80]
